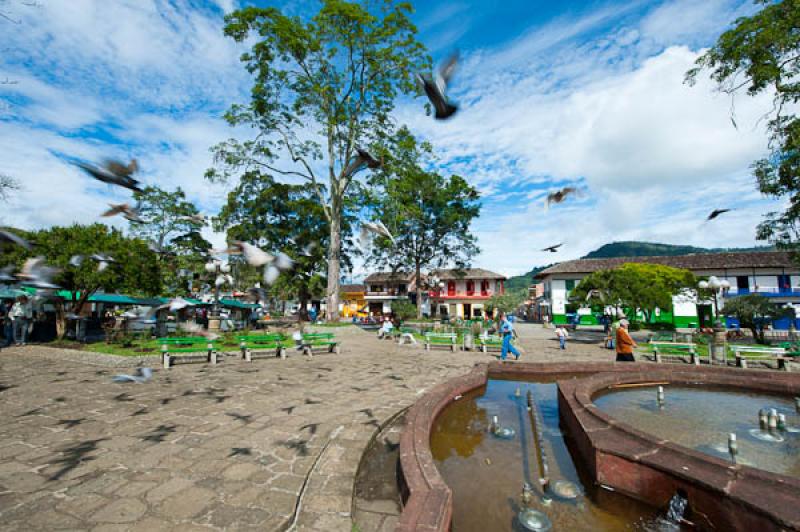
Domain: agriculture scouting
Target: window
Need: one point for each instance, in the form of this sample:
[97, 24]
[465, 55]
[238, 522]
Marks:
[484, 288]
[377, 288]
[784, 284]
[742, 284]
[451, 288]
[470, 288]
[570, 284]
[402, 289]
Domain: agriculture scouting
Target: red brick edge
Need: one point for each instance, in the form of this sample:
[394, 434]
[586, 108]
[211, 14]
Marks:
[429, 501]
[732, 497]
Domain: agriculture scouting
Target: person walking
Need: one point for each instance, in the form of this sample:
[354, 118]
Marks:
[21, 314]
[624, 343]
[562, 334]
[507, 330]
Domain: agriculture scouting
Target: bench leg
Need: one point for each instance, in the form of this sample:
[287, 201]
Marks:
[453, 348]
[336, 349]
[657, 355]
[308, 351]
[165, 361]
[741, 362]
[248, 355]
[427, 346]
[483, 349]
[212, 357]
[695, 359]
[782, 364]
[244, 352]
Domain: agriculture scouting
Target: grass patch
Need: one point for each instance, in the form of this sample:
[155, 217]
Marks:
[332, 324]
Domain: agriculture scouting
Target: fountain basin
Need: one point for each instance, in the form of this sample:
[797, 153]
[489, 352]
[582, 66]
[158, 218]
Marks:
[734, 497]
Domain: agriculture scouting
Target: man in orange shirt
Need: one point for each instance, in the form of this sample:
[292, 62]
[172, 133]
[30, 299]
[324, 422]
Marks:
[625, 343]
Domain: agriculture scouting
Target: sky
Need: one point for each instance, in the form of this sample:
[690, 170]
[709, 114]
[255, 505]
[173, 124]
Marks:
[551, 94]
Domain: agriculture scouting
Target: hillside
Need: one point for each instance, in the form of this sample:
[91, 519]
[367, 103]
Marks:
[650, 249]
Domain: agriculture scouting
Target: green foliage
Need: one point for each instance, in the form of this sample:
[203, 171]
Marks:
[322, 87]
[524, 281]
[508, 302]
[761, 53]
[428, 215]
[753, 310]
[634, 285]
[168, 224]
[404, 309]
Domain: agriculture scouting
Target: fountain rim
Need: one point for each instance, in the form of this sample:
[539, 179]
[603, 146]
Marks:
[428, 500]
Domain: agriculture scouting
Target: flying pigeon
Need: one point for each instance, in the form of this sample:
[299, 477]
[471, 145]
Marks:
[7, 274]
[114, 173]
[102, 261]
[144, 375]
[7, 236]
[594, 293]
[553, 249]
[254, 256]
[364, 159]
[127, 212]
[436, 88]
[76, 261]
[376, 227]
[271, 274]
[175, 304]
[716, 212]
[38, 275]
[198, 330]
[559, 195]
[196, 218]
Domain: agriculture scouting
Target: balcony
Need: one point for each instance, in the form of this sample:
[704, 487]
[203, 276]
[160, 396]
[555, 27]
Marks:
[768, 291]
[386, 294]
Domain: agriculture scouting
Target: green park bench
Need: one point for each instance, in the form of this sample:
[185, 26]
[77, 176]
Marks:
[441, 340]
[492, 342]
[760, 354]
[662, 337]
[665, 351]
[192, 347]
[272, 343]
[318, 341]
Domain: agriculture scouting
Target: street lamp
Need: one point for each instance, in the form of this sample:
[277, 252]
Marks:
[717, 288]
[218, 268]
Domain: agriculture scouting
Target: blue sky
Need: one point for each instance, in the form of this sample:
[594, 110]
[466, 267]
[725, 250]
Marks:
[584, 93]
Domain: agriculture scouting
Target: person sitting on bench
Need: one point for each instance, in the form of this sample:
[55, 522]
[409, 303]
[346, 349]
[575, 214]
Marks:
[386, 328]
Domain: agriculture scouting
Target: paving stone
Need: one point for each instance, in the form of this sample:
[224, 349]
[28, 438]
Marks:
[168, 488]
[241, 471]
[121, 511]
[187, 503]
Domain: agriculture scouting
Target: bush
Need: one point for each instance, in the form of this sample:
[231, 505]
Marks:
[404, 309]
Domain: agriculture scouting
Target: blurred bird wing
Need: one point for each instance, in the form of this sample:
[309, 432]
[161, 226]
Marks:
[283, 261]
[447, 69]
[254, 255]
[117, 168]
[15, 239]
[115, 209]
[271, 274]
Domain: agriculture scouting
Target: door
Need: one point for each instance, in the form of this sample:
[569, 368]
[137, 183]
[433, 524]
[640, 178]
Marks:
[742, 284]
[467, 311]
[705, 316]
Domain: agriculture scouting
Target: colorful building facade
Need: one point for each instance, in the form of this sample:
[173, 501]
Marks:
[464, 293]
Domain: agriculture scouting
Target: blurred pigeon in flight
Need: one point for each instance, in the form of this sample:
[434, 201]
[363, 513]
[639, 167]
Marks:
[195, 218]
[143, 375]
[175, 304]
[198, 330]
[8, 236]
[114, 173]
[376, 227]
[553, 249]
[716, 212]
[127, 212]
[364, 159]
[559, 195]
[436, 88]
[103, 261]
[37, 274]
[254, 255]
[76, 261]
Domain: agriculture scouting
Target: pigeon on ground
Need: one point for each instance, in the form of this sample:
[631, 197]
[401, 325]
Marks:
[717, 212]
[8, 236]
[37, 274]
[436, 88]
[559, 195]
[376, 227]
[114, 173]
[127, 212]
[144, 375]
[553, 249]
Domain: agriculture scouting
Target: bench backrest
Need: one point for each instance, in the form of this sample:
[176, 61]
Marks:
[758, 349]
[672, 344]
[272, 337]
[441, 336]
[185, 341]
[318, 336]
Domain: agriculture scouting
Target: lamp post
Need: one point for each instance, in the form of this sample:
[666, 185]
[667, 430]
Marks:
[216, 267]
[717, 287]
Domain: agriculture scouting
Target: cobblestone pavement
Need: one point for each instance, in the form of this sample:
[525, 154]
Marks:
[268, 444]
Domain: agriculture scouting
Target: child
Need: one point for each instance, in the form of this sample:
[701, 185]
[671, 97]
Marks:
[562, 335]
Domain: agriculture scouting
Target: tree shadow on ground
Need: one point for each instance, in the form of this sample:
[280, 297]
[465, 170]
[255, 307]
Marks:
[75, 456]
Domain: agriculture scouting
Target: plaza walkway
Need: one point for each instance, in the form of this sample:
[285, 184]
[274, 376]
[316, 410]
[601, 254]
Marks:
[263, 445]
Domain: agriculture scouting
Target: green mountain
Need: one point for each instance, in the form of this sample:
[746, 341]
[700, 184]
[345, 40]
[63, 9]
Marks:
[628, 249]
[650, 249]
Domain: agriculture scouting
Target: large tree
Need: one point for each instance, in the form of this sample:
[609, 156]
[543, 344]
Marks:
[135, 270]
[761, 53]
[281, 217]
[428, 214]
[323, 86]
[170, 223]
[636, 286]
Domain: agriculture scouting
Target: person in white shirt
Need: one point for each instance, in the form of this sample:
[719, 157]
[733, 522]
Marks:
[21, 314]
[386, 328]
[562, 334]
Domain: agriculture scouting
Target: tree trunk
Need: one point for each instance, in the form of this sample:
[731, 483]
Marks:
[419, 290]
[61, 319]
[334, 256]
